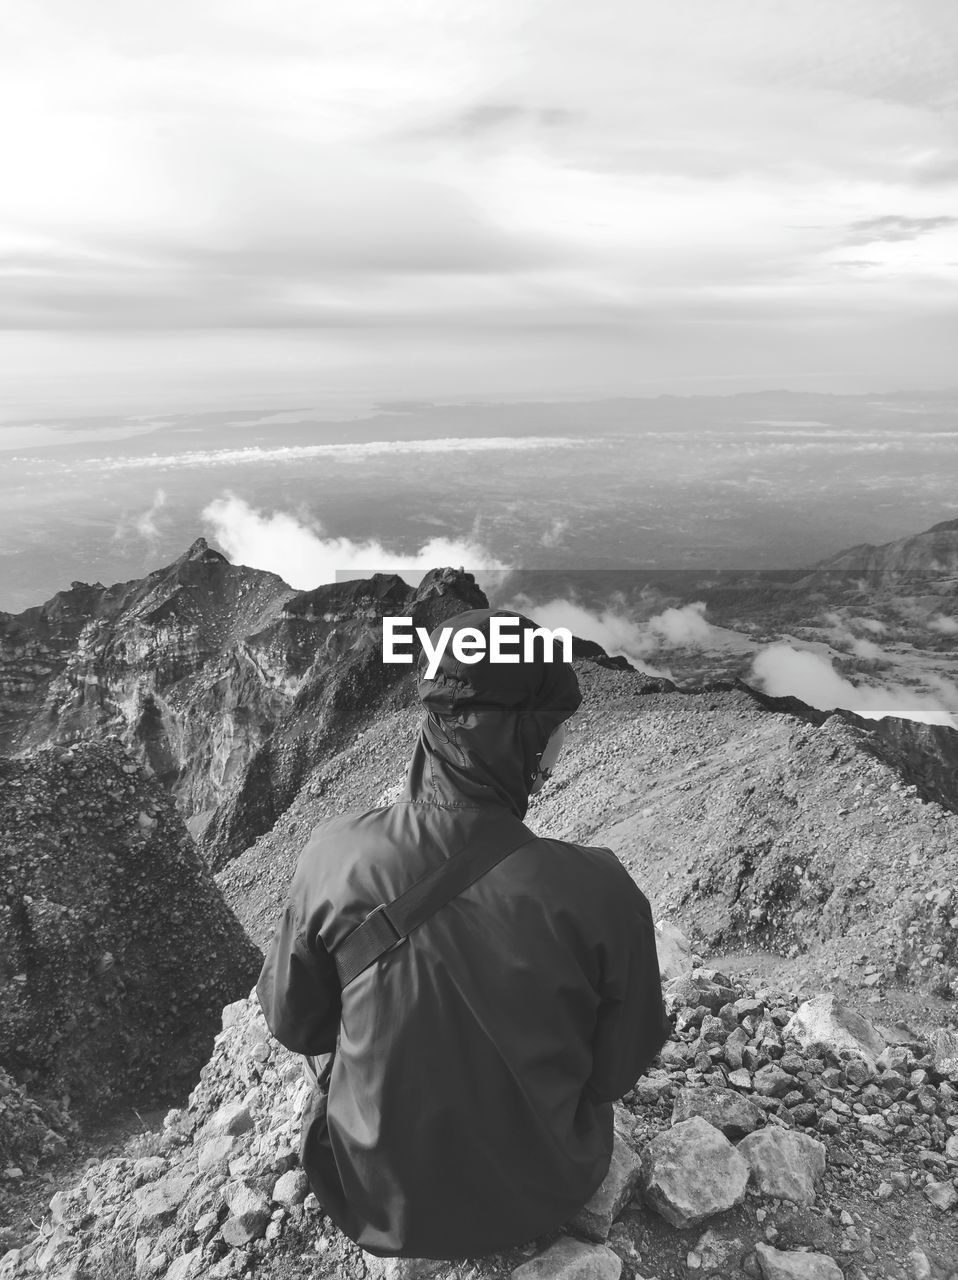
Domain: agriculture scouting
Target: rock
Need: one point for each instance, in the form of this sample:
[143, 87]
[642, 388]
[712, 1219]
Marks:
[778, 1265]
[919, 1268]
[942, 1195]
[570, 1259]
[58, 1239]
[232, 1119]
[158, 1202]
[649, 1089]
[400, 1268]
[771, 1081]
[825, 1021]
[944, 1048]
[784, 1163]
[234, 1014]
[250, 1214]
[291, 1188]
[596, 1216]
[188, 1266]
[691, 1172]
[695, 989]
[148, 1169]
[723, 1108]
[214, 1156]
[715, 1252]
[674, 952]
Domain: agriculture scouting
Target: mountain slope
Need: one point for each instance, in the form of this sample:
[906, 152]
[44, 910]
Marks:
[222, 679]
[118, 952]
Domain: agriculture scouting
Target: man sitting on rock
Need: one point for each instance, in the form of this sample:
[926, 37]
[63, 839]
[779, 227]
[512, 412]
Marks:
[465, 1102]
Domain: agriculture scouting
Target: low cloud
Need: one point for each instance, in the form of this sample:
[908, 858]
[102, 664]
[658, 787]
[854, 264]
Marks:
[621, 634]
[943, 625]
[867, 649]
[555, 533]
[146, 524]
[302, 554]
[781, 671]
[683, 627]
[842, 635]
[255, 455]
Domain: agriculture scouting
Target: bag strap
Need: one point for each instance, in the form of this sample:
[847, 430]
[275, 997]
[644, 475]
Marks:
[389, 924]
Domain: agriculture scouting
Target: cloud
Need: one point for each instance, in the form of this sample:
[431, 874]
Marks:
[302, 554]
[555, 533]
[893, 227]
[682, 627]
[619, 632]
[867, 649]
[943, 625]
[255, 455]
[781, 671]
[145, 524]
[842, 635]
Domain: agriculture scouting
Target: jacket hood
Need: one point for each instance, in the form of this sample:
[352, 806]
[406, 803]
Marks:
[487, 722]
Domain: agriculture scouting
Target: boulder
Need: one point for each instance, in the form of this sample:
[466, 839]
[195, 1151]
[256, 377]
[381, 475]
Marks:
[944, 1048]
[570, 1259]
[157, 1202]
[771, 1081]
[232, 1119]
[784, 1163]
[291, 1187]
[214, 1155]
[942, 1195]
[188, 1266]
[691, 1172]
[696, 989]
[724, 1108]
[250, 1215]
[825, 1021]
[596, 1216]
[776, 1264]
[674, 951]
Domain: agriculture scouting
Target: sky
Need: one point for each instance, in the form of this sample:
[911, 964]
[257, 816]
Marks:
[263, 200]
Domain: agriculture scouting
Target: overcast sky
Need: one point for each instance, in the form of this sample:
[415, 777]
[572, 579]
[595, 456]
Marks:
[269, 199]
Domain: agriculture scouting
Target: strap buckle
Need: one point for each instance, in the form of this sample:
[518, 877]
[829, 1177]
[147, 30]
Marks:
[381, 911]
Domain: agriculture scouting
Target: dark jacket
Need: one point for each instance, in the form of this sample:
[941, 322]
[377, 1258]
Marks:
[470, 1097]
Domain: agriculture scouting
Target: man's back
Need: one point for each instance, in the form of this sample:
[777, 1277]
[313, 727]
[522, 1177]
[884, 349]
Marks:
[469, 1101]
[470, 1098]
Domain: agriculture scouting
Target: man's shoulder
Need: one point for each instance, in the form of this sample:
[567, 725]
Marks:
[592, 861]
[340, 832]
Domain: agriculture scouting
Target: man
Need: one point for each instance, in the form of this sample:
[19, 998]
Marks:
[467, 1104]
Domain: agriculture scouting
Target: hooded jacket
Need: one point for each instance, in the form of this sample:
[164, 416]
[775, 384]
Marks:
[469, 1103]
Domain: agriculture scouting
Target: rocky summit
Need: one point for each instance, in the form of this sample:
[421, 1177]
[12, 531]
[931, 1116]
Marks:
[816, 1161]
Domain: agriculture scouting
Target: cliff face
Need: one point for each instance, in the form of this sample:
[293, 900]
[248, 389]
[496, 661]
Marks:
[195, 668]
